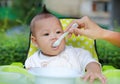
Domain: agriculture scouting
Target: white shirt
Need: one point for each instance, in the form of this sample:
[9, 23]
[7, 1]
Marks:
[73, 58]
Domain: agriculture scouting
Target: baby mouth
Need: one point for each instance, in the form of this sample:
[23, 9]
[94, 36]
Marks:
[54, 47]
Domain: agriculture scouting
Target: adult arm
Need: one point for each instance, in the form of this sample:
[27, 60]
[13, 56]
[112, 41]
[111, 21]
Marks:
[90, 29]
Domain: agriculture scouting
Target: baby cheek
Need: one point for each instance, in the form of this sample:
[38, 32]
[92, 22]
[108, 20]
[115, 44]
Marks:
[60, 34]
[45, 42]
[42, 44]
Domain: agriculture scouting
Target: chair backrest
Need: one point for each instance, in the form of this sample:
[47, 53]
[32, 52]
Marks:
[80, 41]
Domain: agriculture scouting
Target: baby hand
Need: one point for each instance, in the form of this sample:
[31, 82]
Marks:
[92, 76]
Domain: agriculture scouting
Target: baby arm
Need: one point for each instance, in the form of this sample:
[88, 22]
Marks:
[93, 71]
[91, 67]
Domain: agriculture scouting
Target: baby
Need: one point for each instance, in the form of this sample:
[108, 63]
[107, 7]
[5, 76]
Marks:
[46, 29]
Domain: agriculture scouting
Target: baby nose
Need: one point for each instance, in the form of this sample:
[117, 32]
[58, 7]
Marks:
[54, 37]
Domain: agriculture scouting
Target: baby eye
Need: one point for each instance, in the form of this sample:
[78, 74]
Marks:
[58, 32]
[46, 34]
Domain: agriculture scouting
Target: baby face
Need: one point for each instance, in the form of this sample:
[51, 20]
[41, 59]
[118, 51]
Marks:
[47, 31]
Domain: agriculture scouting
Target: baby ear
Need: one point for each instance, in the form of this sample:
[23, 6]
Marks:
[34, 41]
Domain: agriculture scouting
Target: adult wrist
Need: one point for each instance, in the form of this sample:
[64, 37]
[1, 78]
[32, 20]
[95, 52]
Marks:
[103, 34]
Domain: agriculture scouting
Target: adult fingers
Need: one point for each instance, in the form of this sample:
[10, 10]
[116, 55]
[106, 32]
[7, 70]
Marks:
[80, 24]
[79, 31]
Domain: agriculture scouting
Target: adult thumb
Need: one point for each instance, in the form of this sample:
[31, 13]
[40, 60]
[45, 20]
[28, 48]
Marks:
[79, 31]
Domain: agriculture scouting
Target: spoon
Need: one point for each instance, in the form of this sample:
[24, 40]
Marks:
[57, 43]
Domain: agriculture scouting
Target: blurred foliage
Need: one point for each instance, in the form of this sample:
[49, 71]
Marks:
[20, 13]
[26, 9]
[108, 54]
[13, 48]
[7, 12]
[116, 26]
[6, 18]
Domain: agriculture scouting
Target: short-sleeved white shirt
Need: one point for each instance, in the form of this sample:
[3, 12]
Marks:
[73, 58]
